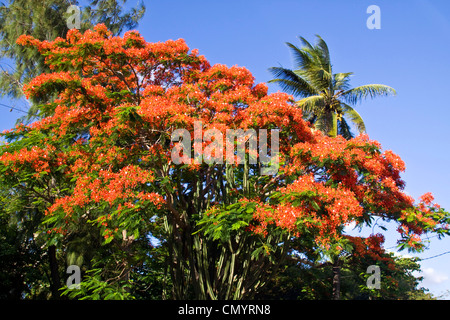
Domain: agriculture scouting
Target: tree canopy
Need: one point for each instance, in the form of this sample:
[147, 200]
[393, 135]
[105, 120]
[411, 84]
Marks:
[98, 166]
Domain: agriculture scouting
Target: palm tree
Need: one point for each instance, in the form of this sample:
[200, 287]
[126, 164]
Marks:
[326, 97]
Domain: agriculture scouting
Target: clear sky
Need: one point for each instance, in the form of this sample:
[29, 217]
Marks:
[410, 53]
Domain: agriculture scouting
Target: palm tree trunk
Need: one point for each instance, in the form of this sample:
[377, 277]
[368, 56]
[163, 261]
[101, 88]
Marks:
[333, 129]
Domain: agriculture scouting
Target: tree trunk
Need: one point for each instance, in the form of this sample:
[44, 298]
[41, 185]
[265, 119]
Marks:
[54, 272]
[336, 281]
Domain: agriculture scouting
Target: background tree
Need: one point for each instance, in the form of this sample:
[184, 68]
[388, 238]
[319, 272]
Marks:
[301, 278]
[101, 161]
[326, 97]
[22, 261]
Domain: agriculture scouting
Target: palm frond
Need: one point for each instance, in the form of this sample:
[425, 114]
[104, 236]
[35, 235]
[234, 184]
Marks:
[314, 104]
[291, 87]
[305, 42]
[323, 78]
[291, 82]
[355, 95]
[313, 63]
[354, 116]
[323, 53]
[341, 81]
[344, 129]
[309, 116]
[302, 58]
[317, 77]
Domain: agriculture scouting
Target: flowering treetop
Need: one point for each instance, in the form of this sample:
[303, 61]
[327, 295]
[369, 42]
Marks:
[101, 152]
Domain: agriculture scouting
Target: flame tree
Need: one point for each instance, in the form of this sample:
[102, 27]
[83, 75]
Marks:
[98, 165]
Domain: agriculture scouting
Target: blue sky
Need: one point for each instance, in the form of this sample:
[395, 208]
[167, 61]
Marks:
[410, 53]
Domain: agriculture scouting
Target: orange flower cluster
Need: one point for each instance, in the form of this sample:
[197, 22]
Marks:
[338, 182]
[313, 204]
[108, 187]
[40, 159]
[371, 248]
